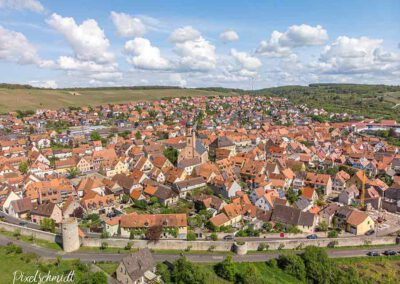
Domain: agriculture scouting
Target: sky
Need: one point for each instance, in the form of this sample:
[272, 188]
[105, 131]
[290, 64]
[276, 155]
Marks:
[236, 44]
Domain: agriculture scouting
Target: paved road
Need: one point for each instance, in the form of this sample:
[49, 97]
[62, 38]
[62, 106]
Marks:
[205, 258]
[17, 221]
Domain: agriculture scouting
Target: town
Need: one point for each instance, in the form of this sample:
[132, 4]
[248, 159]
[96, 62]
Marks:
[199, 168]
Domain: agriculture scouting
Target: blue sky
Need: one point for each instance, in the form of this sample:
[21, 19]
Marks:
[198, 43]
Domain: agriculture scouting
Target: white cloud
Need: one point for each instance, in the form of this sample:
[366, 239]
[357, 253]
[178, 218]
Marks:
[49, 84]
[184, 34]
[71, 63]
[32, 5]
[357, 55]
[229, 35]
[281, 44]
[195, 53]
[127, 25]
[145, 56]
[14, 46]
[87, 39]
[176, 79]
[245, 60]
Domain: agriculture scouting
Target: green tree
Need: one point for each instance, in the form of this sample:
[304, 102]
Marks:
[293, 264]
[138, 135]
[226, 269]
[163, 271]
[73, 172]
[48, 224]
[186, 272]
[95, 136]
[291, 195]
[323, 226]
[125, 198]
[23, 167]
[171, 154]
[318, 266]
[97, 278]
[191, 236]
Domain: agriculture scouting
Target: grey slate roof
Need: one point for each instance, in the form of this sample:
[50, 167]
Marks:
[292, 216]
[138, 263]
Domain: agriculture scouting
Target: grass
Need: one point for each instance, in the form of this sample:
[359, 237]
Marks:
[264, 273]
[32, 99]
[108, 267]
[381, 269]
[30, 240]
[30, 263]
[106, 250]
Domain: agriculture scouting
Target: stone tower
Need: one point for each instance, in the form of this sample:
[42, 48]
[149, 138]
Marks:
[70, 234]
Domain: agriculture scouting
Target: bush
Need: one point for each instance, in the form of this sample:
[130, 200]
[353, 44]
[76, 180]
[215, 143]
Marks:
[293, 264]
[11, 248]
[333, 234]
[128, 246]
[226, 269]
[263, 246]
[104, 246]
[214, 236]
[191, 236]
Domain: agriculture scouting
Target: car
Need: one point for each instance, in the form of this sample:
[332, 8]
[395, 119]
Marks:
[229, 238]
[23, 223]
[389, 252]
[312, 237]
[370, 232]
[373, 253]
[208, 238]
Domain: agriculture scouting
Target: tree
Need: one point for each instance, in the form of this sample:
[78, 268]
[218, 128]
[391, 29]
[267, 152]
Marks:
[291, 195]
[191, 236]
[95, 136]
[23, 167]
[226, 269]
[48, 224]
[171, 154]
[163, 271]
[73, 172]
[97, 278]
[318, 265]
[214, 236]
[104, 246]
[153, 233]
[186, 272]
[138, 135]
[125, 198]
[323, 226]
[293, 264]
[332, 234]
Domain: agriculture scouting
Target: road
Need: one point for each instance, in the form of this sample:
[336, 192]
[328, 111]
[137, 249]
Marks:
[199, 258]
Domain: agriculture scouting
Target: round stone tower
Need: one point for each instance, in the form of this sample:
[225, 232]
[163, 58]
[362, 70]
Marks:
[70, 234]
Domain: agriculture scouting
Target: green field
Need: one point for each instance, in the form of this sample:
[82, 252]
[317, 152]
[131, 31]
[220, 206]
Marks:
[15, 263]
[374, 101]
[32, 99]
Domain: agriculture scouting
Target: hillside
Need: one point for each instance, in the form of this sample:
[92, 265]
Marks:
[376, 101]
[12, 99]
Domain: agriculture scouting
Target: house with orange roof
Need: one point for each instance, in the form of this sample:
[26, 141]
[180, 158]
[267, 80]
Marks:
[171, 224]
[100, 204]
[319, 181]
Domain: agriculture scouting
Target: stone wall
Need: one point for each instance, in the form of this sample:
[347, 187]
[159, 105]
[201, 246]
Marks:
[25, 231]
[202, 245]
[227, 245]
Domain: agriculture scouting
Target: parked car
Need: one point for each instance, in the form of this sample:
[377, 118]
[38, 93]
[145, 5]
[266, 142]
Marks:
[373, 253]
[23, 223]
[389, 252]
[208, 238]
[229, 238]
[312, 237]
[370, 232]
